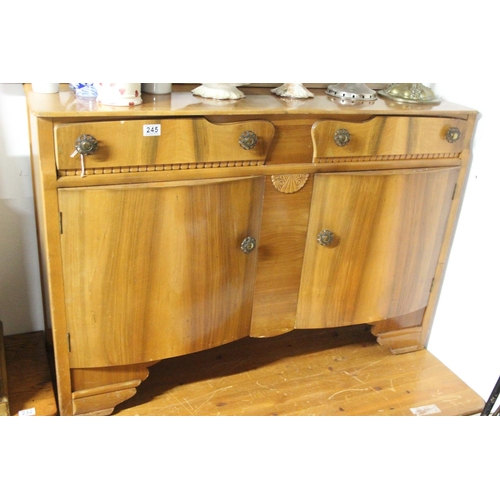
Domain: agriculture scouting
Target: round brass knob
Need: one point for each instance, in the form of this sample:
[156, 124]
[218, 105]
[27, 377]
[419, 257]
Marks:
[248, 245]
[453, 134]
[248, 140]
[86, 145]
[342, 137]
[325, 238]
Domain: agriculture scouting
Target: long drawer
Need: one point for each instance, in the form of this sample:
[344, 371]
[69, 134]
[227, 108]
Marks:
[134, 144]
[388, 137]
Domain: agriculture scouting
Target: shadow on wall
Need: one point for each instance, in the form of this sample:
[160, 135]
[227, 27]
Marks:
[20, 296]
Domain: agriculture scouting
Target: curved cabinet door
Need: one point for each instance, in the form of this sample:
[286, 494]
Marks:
[388, 228]
[156, 270]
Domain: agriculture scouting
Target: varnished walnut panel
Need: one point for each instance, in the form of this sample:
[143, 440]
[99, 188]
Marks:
[388, 228]
[153, 271]
[281, 250]
[398, 323]
[292, 142]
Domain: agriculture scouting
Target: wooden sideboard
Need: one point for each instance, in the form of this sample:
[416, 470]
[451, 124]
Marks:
[196, 223]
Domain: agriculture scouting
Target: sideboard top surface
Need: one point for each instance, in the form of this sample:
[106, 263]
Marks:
[259, 101]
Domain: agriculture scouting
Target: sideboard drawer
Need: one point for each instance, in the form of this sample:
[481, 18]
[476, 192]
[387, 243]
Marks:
[133, 145]
[388, 137]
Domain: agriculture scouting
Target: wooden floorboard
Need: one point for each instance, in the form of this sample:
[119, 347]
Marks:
[340, 372]
[4, 395]
[30, 379]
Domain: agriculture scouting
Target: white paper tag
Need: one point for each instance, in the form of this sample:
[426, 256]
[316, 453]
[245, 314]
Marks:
[27, 413]
[425, 410]
[151, 130]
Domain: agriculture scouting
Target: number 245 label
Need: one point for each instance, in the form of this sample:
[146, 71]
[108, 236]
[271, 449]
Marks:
[149, 130]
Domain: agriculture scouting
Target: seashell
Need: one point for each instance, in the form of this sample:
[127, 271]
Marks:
[289, 183]
[219, 91]
[293, 90]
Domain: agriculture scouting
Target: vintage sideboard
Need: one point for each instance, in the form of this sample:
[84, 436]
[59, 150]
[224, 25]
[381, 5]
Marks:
[190, 223]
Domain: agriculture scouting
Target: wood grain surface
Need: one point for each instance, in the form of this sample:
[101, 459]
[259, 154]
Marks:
[340, 372]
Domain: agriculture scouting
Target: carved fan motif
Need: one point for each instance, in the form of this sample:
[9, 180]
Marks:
[289, 183]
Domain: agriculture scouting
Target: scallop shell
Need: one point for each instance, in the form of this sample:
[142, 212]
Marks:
[293, 90]
[289, 183]
[219, 91]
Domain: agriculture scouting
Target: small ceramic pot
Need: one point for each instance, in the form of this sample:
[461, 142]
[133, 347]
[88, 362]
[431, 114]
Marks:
[119, 94]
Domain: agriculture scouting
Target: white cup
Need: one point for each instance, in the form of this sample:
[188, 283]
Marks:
[157, 88]
[45, 88]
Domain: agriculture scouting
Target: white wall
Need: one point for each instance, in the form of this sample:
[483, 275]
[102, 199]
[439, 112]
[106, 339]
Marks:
[466, 330]
[20, 296]
[465, 335]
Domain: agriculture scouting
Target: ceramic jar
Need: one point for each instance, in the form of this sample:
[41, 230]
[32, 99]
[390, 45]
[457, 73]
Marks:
[119, 94]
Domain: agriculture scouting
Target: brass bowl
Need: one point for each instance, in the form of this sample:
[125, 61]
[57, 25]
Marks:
[415, 93]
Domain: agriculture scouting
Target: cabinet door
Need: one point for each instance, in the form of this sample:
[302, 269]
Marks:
[388, 228]
[157, 270]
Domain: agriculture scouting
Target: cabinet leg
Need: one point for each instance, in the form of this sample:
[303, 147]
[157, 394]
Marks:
[401, 341]
[96, 391]
[401, 334]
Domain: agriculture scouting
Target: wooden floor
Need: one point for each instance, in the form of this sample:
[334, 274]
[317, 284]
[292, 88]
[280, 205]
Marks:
[316, 372]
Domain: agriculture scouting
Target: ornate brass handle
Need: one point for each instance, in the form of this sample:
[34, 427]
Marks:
[325, 238]
[453, 134]
[248, 244]
[342, 137]
[248, 140]
[86, 145]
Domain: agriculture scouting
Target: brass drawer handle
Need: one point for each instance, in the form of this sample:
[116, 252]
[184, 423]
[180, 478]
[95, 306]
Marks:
[342, 137]
[325, 238]
[86, 145]
[453, 134]
[248, 244]
[248, 140]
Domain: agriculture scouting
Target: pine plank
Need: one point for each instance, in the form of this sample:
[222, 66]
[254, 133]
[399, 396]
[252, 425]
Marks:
[306, 372]
[340, 372]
